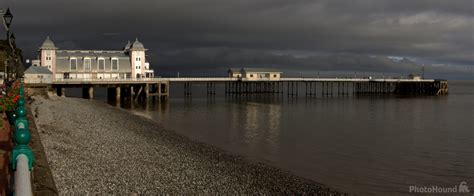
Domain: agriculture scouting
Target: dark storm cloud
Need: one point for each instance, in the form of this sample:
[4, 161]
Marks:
[303, 34]
[210, 61]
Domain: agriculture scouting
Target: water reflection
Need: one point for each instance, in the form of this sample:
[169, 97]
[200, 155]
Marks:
[273, 136]
[145, 108]
[358, 144]
[251, 118]
[261, 126]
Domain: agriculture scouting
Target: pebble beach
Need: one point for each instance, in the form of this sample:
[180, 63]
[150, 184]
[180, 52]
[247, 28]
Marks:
[96, 148]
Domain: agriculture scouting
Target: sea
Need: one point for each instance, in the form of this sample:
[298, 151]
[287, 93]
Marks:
[363, 145]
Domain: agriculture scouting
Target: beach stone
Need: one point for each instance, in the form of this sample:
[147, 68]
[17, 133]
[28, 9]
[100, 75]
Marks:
[96, 148]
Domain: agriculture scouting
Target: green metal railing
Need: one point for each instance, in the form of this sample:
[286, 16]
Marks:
[22, 158]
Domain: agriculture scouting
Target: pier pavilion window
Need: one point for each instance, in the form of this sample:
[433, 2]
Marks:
[87, 63]
[48, 55]
[115, 63]
[263, 75]
[101, 64]
[73, 64]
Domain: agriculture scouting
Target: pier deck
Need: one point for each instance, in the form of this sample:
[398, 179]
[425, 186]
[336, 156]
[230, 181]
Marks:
[225, 79]
[159, 87]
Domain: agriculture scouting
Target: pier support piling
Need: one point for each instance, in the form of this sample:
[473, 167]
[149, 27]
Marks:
[117, 93]
[147, 90]
[91, 92]
[88, 92]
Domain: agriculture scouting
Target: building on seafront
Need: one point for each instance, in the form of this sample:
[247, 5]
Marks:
[38, 75]
[255, 74]
[128, 63]
[414, 76]
[234, 73]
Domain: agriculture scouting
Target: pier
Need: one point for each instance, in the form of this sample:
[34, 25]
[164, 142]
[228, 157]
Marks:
[116, 88]
[158, 88]
[127, 75]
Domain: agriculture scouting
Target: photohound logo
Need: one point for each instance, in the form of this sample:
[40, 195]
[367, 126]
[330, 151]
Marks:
[461, 188]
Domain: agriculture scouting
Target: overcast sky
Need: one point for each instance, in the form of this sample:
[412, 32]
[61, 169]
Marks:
[300, 36]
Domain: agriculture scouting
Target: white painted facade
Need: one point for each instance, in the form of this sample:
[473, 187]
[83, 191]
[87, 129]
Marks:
[38, 75]
[262, 76]
[255, 74]
[138, 63]
[414, 77]
[128, 63]
[38, 78]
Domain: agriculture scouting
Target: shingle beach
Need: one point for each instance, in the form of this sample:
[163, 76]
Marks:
[96, 148]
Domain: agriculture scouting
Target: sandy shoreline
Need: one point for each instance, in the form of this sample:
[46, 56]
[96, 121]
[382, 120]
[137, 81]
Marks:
[95, 148]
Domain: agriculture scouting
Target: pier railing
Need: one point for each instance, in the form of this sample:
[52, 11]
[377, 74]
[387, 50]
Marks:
[366, 86]
[22, 156]
[353, 80]
[106, 80]
[131, 80]
[202, 79]
[227, 79]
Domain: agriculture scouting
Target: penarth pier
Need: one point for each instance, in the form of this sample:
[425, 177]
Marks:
[145, 88]
[126, 73]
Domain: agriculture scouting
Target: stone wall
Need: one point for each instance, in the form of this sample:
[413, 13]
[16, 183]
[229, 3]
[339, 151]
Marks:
[43, 182]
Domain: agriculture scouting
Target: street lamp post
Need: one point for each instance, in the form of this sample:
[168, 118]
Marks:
[7, 21]
[12, 40]
[7, 17]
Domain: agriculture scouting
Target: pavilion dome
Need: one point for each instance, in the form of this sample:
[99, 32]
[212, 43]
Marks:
[48, 44]
[127, 46]
[137, 45]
